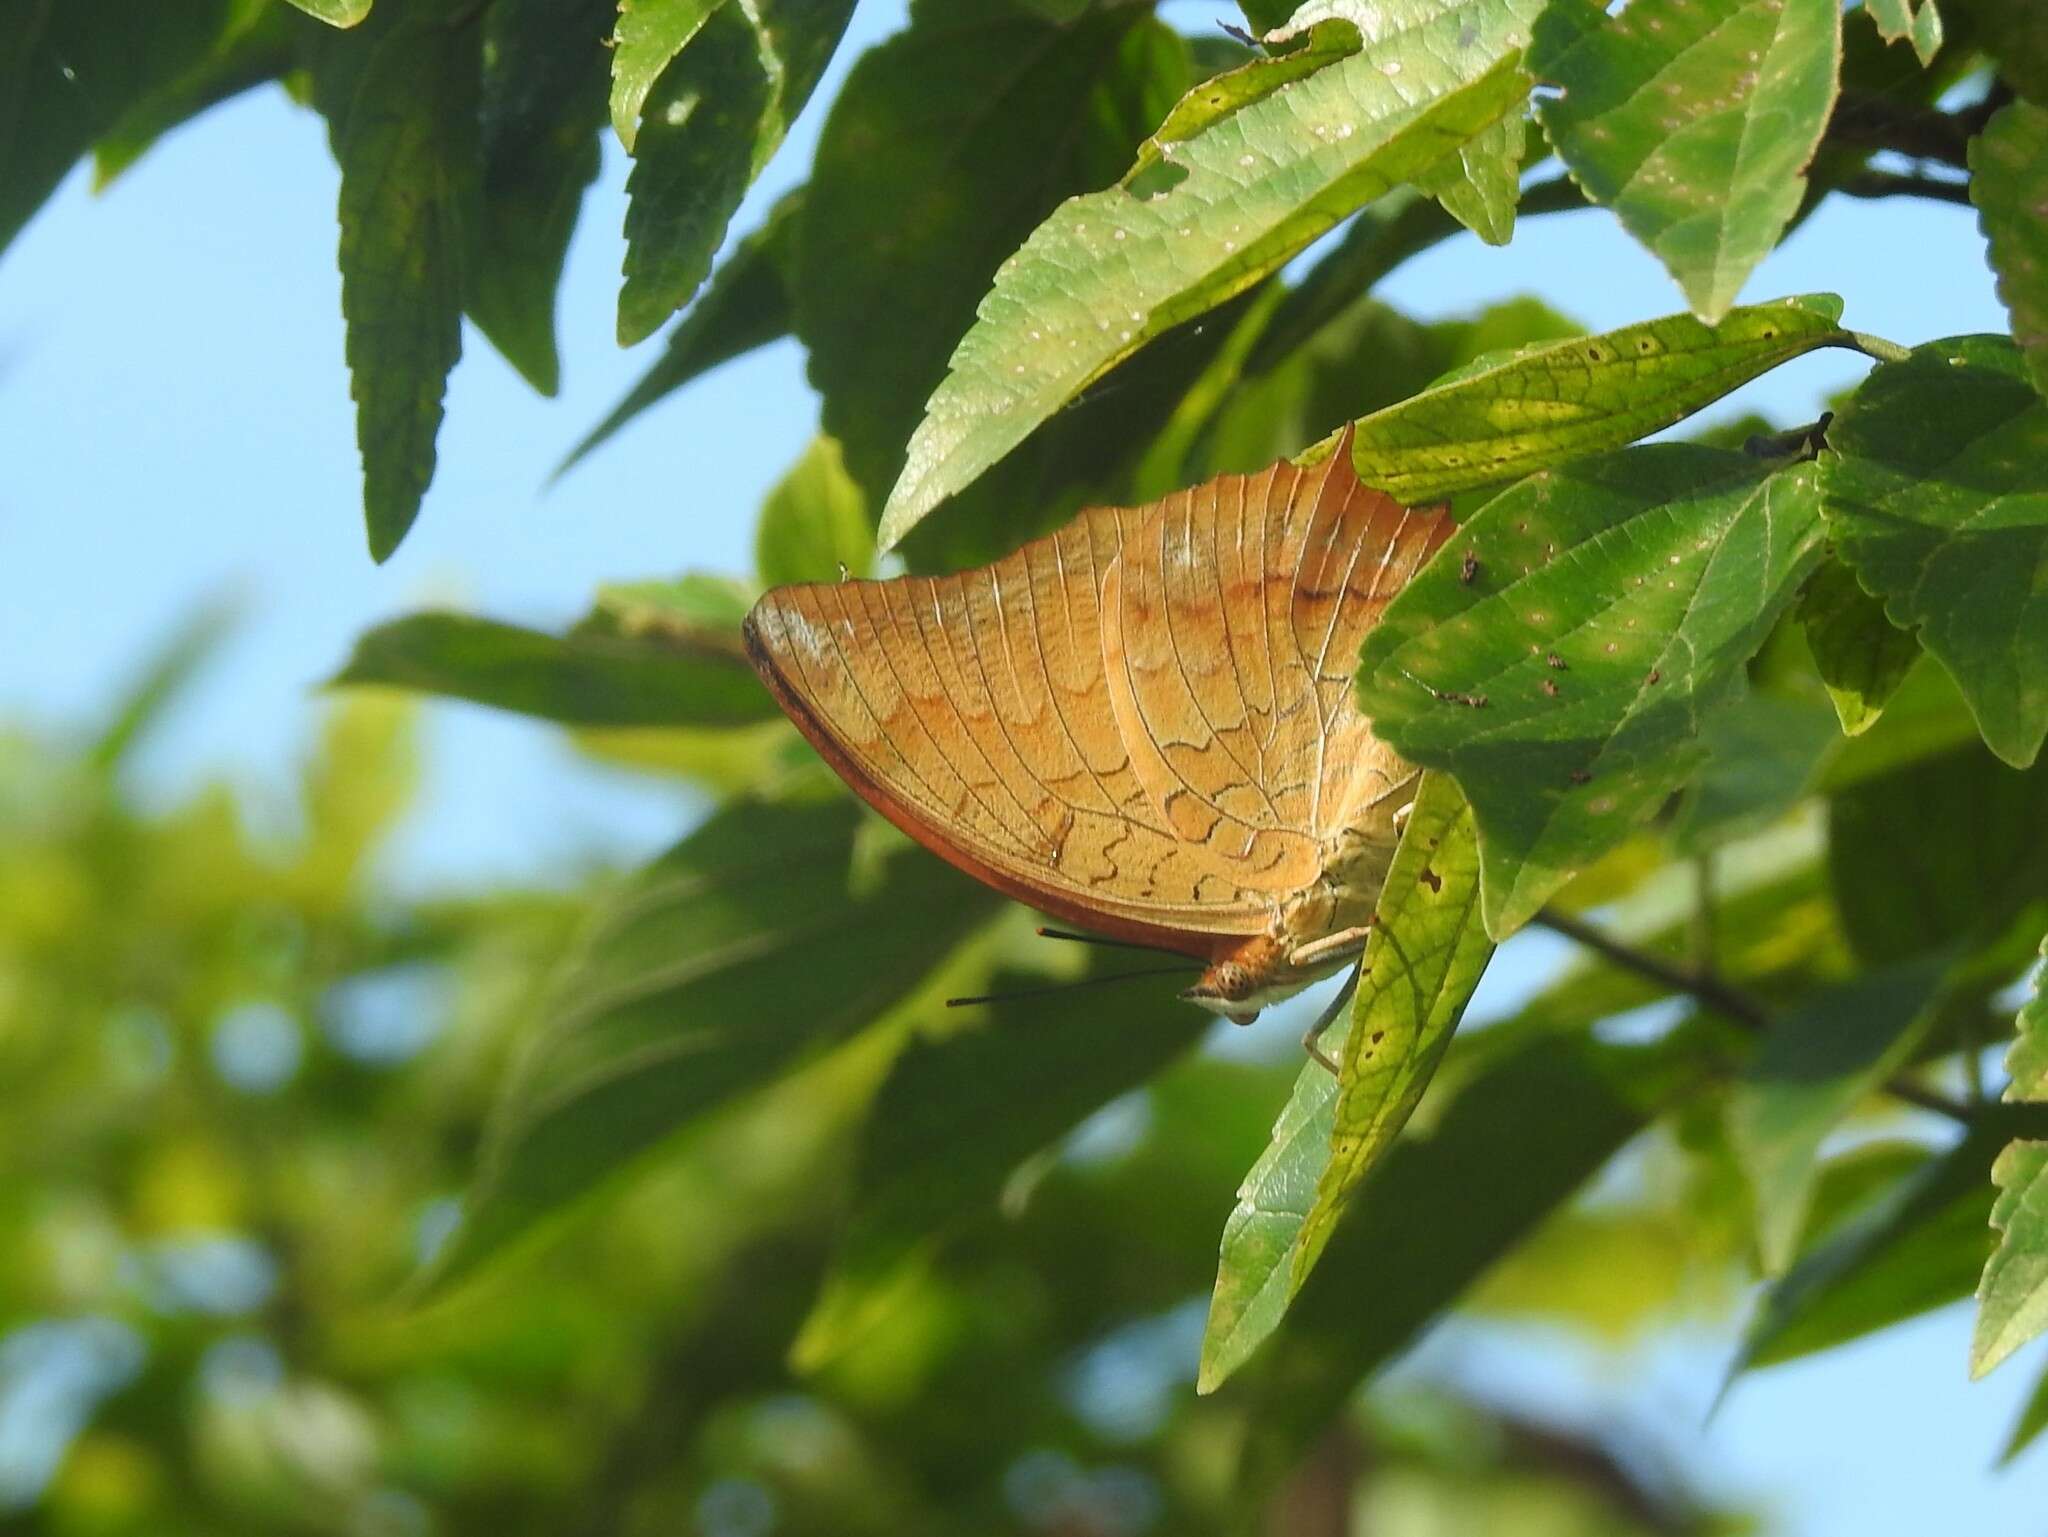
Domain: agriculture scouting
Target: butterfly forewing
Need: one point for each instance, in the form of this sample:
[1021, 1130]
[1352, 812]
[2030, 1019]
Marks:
[1141, 723]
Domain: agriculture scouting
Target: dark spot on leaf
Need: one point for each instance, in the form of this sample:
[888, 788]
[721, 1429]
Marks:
[1555, 661]
[1582, 776]
[1656, 674]
[1378, 1036]
[1431, 879]
[1468, 568]
[1550, 687]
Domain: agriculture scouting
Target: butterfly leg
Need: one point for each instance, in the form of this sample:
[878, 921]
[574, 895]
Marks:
[1341, 945]
[1311, 1040]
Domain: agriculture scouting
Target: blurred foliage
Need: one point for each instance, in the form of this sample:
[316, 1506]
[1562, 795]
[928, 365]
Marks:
[246, 1085]
[739, 1230]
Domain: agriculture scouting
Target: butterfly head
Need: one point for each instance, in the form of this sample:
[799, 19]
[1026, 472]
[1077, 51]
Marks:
[1252, 977]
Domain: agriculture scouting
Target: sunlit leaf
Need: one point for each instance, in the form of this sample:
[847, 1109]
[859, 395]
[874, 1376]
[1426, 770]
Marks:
[1559, 655]
[1111, 270]
[1937, 496]
[650, 34]
[1819, 1061]
[1364, 358]
[2012, 1299]
[1917, 21]
[1694, 120]
[336, 13]
[814, 525]
[714, 119]
[1862, 656]
[745, 305]
[1498, 418]
[1427, 952]
[990, 116]
[1422, 962]
[2009, 185]
[409, 178]
[586, 678]
[1948, 850]
[742, 949]
[958, 1114]
[1480, 185]
[542, 113]
[1919, 1246]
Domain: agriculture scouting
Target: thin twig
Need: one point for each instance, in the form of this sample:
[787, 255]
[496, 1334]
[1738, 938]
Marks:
[1876, 184]
[1742, 1008]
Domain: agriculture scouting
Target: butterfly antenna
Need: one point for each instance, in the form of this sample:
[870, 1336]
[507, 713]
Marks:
[1078, 982]
[1106, 944]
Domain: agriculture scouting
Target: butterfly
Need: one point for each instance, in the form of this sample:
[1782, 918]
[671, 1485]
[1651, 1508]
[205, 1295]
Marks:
[1142, 724]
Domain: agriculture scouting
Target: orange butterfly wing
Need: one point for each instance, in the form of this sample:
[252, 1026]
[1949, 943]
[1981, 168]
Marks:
[1142, 723]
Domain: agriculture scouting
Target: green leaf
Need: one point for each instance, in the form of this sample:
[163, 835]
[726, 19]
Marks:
[2032, 1421]
[694, 612]
[1950, 850]
[1917, 21]
[1512, 1145]
[1764, 753]
[651, 33]
[1426, 955]
[336, 13]
[1112, 270]
[409, 176]
[1925, 718]
[590, 677]
[744, 948]
[1817, 1064]
[2009, 185]
[745, 305]
[2019, 41]
[814, 525]
[1364, 357]
[1255, 1271]
[957, 1115]
[1421, 964]
[258, 44]
[1216, 98]
[1862, 656]
[1480, 185]
[2012, 1299]
[1498, 418]
[542, 114]
[1937, 496]
[2026, 1065]
[69, 69]
[1610, 606]
[1919, 1246]
[990, 116]
[1694, 120]
[714, 119]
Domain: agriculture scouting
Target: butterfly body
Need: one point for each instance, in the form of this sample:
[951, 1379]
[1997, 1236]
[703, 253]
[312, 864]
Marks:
[1142, 723]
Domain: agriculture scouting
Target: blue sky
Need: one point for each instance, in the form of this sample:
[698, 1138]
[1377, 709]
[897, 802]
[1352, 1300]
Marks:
[175, 426]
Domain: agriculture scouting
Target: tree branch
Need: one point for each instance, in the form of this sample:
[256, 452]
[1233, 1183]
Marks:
[1730, 1002]
[1876, 184]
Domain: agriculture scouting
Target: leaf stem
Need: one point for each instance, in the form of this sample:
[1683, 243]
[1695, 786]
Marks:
[1731, 1002]
[1877, 347]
